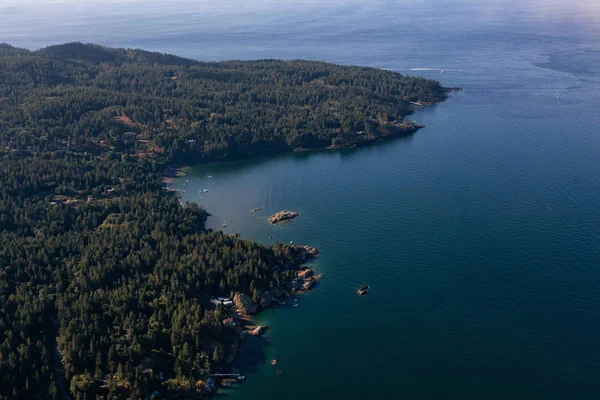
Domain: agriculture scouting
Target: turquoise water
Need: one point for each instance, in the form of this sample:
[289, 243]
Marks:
[479, 235]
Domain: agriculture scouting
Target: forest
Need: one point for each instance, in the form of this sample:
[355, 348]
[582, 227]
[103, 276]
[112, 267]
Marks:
[105, 279]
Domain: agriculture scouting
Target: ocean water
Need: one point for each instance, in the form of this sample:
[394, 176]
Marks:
[479, 235]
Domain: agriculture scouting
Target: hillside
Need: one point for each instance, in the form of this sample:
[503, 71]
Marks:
[149, 104]
[95, 258]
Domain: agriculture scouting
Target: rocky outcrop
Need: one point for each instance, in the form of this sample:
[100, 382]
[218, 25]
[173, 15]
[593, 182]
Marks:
[309, 283]
[266, 299]
[311, 251]
[244, 304]
[304, 253]
[283, 216]
[302, 284]
[258, 330]
[305, 273]
[363, 290]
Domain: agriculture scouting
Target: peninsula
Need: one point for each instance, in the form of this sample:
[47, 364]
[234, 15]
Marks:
[106, 281]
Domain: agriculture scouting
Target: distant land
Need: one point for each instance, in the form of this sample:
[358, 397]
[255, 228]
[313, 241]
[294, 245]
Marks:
[159, 105]
[108, 280]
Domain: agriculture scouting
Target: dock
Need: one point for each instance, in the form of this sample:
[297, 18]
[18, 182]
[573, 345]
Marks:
[416, 103]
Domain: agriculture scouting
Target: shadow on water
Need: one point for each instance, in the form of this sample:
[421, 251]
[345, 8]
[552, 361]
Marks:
[252, 354]
[233, 167]
[374, 146]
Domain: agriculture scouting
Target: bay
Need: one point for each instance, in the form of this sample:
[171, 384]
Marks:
[479, 235]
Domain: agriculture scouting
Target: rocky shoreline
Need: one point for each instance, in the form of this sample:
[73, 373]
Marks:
[243, 304]
[244, 308]
[304, 278]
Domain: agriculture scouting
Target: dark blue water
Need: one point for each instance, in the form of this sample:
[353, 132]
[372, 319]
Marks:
[479, 235]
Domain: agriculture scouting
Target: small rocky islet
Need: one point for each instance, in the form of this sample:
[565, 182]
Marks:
[283, 216]
[363, 290]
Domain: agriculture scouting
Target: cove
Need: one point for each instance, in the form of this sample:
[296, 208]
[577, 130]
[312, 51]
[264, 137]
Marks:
[468, 238]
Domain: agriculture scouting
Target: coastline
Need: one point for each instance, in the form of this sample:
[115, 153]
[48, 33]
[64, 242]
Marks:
[244, 310]
[397, 130]
[177, 170]
[244, 320]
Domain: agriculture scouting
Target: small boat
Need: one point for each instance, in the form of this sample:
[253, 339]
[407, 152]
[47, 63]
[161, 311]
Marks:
[282, 303]
[291, 241]
[295, 299]
[273, 362]
[205, 190]
[210, 176]
[295, 305]
[224, 225]
[363, 290]
[241, 377]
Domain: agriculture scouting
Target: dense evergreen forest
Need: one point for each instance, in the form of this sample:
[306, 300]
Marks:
[100, 267]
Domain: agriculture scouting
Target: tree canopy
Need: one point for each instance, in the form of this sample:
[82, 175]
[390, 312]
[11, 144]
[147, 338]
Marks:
[101, 267]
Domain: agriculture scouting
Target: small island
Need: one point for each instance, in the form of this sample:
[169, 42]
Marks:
[283, 216]
[363, 290]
